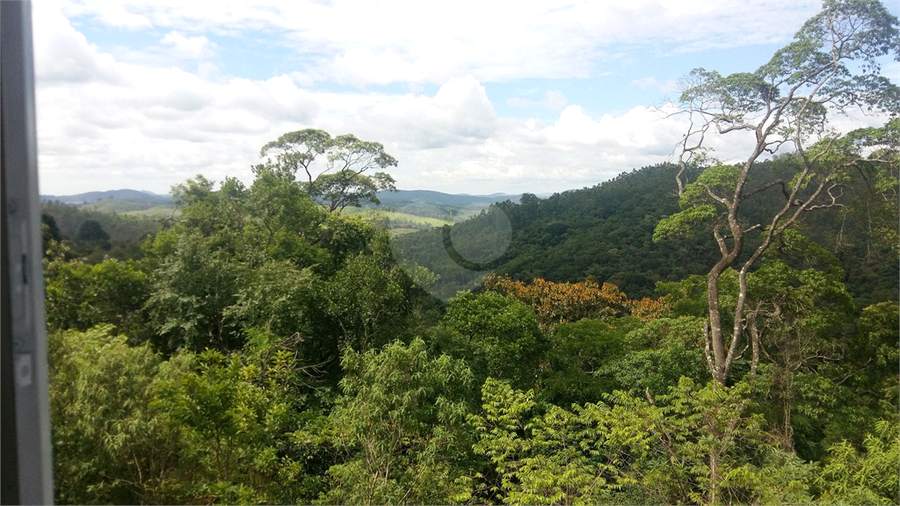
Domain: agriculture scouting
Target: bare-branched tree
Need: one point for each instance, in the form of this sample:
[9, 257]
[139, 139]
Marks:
[831, 68]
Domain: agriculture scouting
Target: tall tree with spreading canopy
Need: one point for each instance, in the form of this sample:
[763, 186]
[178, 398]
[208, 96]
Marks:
[343, 180]
[832, 67]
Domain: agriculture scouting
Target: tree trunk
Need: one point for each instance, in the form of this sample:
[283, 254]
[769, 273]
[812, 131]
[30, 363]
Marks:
[713, 477]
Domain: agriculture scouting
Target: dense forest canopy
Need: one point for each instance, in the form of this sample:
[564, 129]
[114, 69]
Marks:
[689, 332]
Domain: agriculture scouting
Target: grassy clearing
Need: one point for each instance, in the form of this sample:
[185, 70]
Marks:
[154, 212]
[394, 217]
[117, 206]
[130, 208]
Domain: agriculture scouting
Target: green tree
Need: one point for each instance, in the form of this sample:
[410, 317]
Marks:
[192, 288]
[198, 266]
[401, 427]
[497, 335]
[297, 150]
[867, 477]
[785, 102]
[844, 399]
[875, 199]
[276, 299]
[795, 319]
[210, 270]
[49, 231]
[283, 223]
[656, 356]
[110, 443]
[343, 180]
[554, 458]
[576, 355]
[366, 299]
[695, 444]
[91, 231]
[80, 296]
[237, 417]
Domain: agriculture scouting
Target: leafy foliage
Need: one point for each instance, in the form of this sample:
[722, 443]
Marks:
[787, 101]
[556, 303]
[261, 349]
[80, 296]
[851, 477]
[557, 458]
[110, 444]
[690, 445]
[496, 335]
[347, 156]
[401, 425]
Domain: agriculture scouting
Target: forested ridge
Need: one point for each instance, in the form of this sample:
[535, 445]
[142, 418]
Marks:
[689, 332]
[606, 232]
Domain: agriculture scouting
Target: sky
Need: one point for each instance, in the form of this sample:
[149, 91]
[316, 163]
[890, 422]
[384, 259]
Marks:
[474, 97]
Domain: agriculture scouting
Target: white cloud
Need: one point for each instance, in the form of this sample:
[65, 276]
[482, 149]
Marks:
[153, 125]
[63, 54]
[361, 66]
[126, 125]
[105, 121]
[553, 99]
[459, 113]
[188, 47]
[410, 41]
[120, 17]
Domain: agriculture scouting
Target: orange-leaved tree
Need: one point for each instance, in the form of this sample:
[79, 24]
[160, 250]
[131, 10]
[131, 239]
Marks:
[556, 303]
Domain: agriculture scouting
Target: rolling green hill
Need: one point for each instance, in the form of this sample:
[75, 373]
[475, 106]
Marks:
[125, 202]
[99, 196]
[120, 227]
[606, 232]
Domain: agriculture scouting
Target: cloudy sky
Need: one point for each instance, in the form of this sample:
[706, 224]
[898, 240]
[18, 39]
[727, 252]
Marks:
[474, 96]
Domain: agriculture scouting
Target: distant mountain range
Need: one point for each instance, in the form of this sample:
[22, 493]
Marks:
[404, 208]
[126, 195]
[398, 198]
